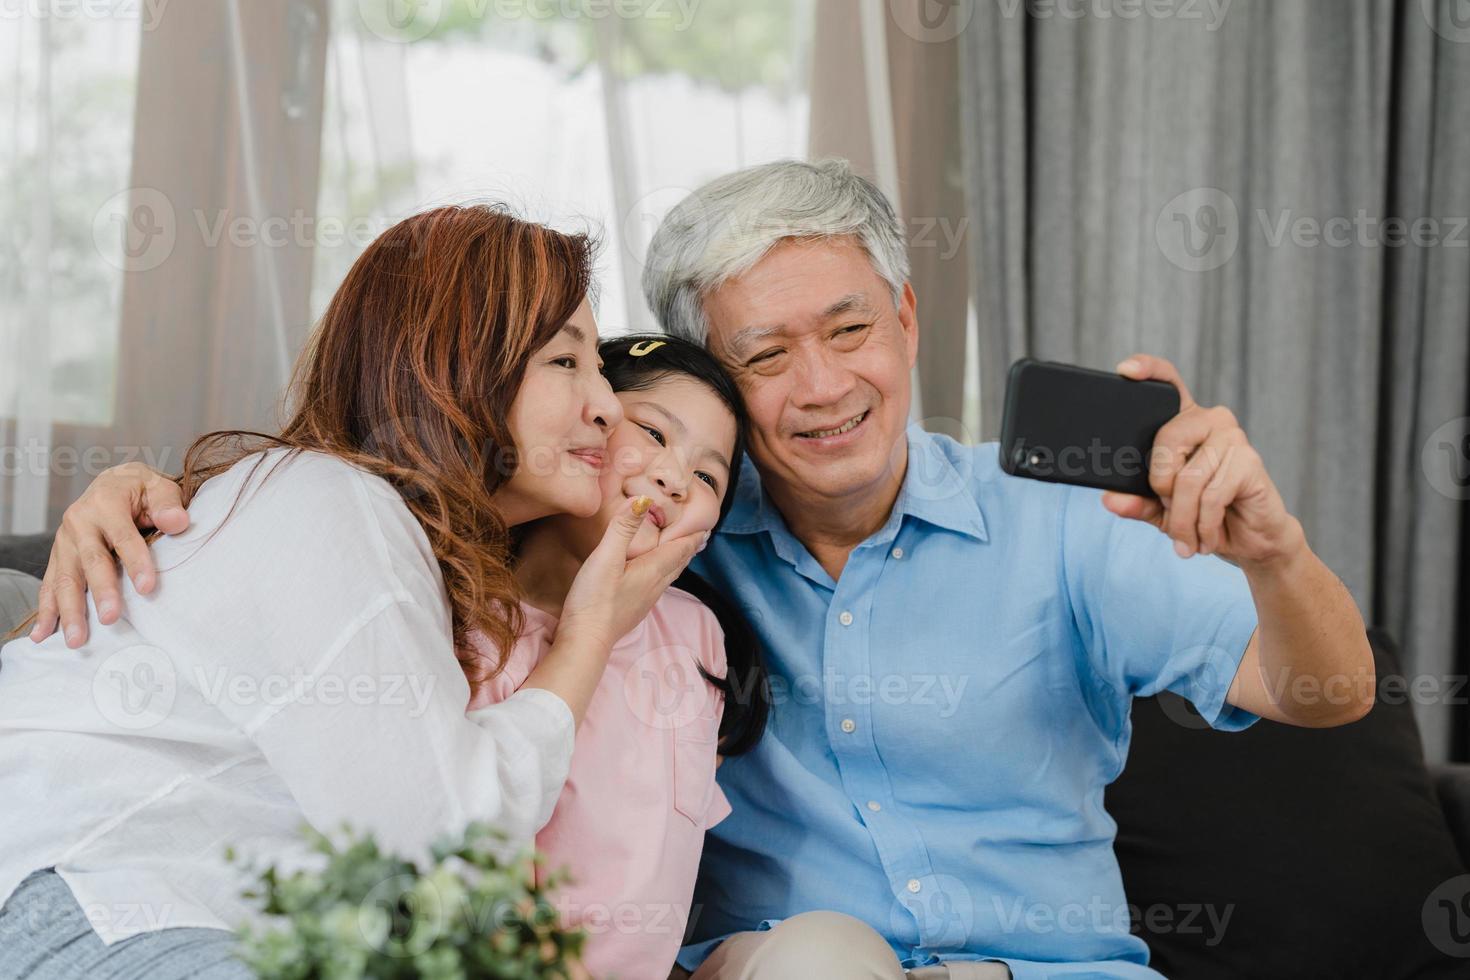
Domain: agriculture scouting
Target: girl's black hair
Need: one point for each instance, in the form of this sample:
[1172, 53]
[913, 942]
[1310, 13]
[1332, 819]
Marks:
[637, 362]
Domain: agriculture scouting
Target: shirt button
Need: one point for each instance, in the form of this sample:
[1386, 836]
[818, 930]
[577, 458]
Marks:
[849, 726]
[897, 552]
[874, 805]
[914, 885]
[845, 619]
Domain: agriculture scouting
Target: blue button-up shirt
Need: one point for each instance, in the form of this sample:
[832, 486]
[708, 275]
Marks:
[947, 714]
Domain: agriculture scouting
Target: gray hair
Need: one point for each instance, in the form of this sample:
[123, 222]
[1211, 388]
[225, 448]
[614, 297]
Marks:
[725, 227]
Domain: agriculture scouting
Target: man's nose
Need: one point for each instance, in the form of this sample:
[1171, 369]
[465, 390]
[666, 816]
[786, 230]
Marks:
[824, 380]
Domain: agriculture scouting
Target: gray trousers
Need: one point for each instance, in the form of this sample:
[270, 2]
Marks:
[825, 944]
[45, 935]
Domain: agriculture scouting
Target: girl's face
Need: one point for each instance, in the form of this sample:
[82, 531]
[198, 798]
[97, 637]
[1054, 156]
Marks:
[560, 421]
[674, 445]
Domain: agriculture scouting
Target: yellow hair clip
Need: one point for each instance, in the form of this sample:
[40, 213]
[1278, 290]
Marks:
[645, 347]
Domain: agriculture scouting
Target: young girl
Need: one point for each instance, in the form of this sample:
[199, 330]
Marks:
[684, 685]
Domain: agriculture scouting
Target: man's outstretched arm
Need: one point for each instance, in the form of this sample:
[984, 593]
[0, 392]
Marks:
[1309, 662]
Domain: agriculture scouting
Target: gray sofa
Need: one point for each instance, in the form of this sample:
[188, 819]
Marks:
[1258, 823]
[21, 560]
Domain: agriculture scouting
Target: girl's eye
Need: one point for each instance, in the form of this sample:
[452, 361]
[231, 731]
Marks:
[566, 362]
[658, 436]
[714, 484]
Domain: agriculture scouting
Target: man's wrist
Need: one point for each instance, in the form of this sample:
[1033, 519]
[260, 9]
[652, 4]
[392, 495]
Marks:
[1286, 560]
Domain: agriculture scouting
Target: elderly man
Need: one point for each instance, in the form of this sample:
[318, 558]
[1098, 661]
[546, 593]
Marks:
[953, 651]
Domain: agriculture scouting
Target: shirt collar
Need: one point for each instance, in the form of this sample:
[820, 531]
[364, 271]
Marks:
[934, 491]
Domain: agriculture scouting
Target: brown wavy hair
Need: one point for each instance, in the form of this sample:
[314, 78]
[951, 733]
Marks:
[410, 376]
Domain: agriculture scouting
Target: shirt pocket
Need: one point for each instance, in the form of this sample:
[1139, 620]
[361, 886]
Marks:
[694, 774]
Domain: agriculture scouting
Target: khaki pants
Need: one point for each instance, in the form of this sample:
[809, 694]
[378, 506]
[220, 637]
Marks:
[822, 945]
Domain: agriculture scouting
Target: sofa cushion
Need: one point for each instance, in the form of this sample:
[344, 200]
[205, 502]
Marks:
[26, 552]
[17, 599]
[1289, 852]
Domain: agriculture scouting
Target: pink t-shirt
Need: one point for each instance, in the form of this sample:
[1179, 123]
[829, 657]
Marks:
[629, 825]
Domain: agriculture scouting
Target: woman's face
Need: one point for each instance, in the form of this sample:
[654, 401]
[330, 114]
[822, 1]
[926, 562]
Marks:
[560, 421]
[674, 445]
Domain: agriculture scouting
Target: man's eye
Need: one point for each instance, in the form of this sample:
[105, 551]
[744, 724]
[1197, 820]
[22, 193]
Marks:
[853, 329]
[714, 484]
[765, 356]
[658, 436]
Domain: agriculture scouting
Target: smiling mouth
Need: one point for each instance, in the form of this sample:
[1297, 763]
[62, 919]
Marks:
[847, 426]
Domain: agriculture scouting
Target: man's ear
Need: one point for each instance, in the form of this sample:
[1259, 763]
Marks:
[908, 319]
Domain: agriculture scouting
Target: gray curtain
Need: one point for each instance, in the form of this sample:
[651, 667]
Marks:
[1235, 186]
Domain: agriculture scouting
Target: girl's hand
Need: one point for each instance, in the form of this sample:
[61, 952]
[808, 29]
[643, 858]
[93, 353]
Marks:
[611, 594]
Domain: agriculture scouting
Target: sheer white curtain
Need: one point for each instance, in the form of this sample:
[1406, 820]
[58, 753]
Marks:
[585, 119]
[67, 103]
[182, 186]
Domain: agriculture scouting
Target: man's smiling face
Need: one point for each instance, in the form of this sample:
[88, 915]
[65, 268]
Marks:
[823, 359]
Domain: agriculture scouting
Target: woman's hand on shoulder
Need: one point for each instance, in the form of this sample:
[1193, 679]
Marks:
[103, 525]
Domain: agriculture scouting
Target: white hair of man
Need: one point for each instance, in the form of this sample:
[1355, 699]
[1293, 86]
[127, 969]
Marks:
[726, 226]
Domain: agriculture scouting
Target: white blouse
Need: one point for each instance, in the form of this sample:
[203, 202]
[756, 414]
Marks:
[294, 664]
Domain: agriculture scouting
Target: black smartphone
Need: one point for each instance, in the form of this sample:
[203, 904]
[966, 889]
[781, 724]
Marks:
[1069, 424]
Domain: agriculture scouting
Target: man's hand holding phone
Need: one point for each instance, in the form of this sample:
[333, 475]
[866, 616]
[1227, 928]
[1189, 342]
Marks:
[1194, 476]
[1214, 494]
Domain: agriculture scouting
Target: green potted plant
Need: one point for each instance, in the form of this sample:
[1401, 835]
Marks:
[365, 914]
